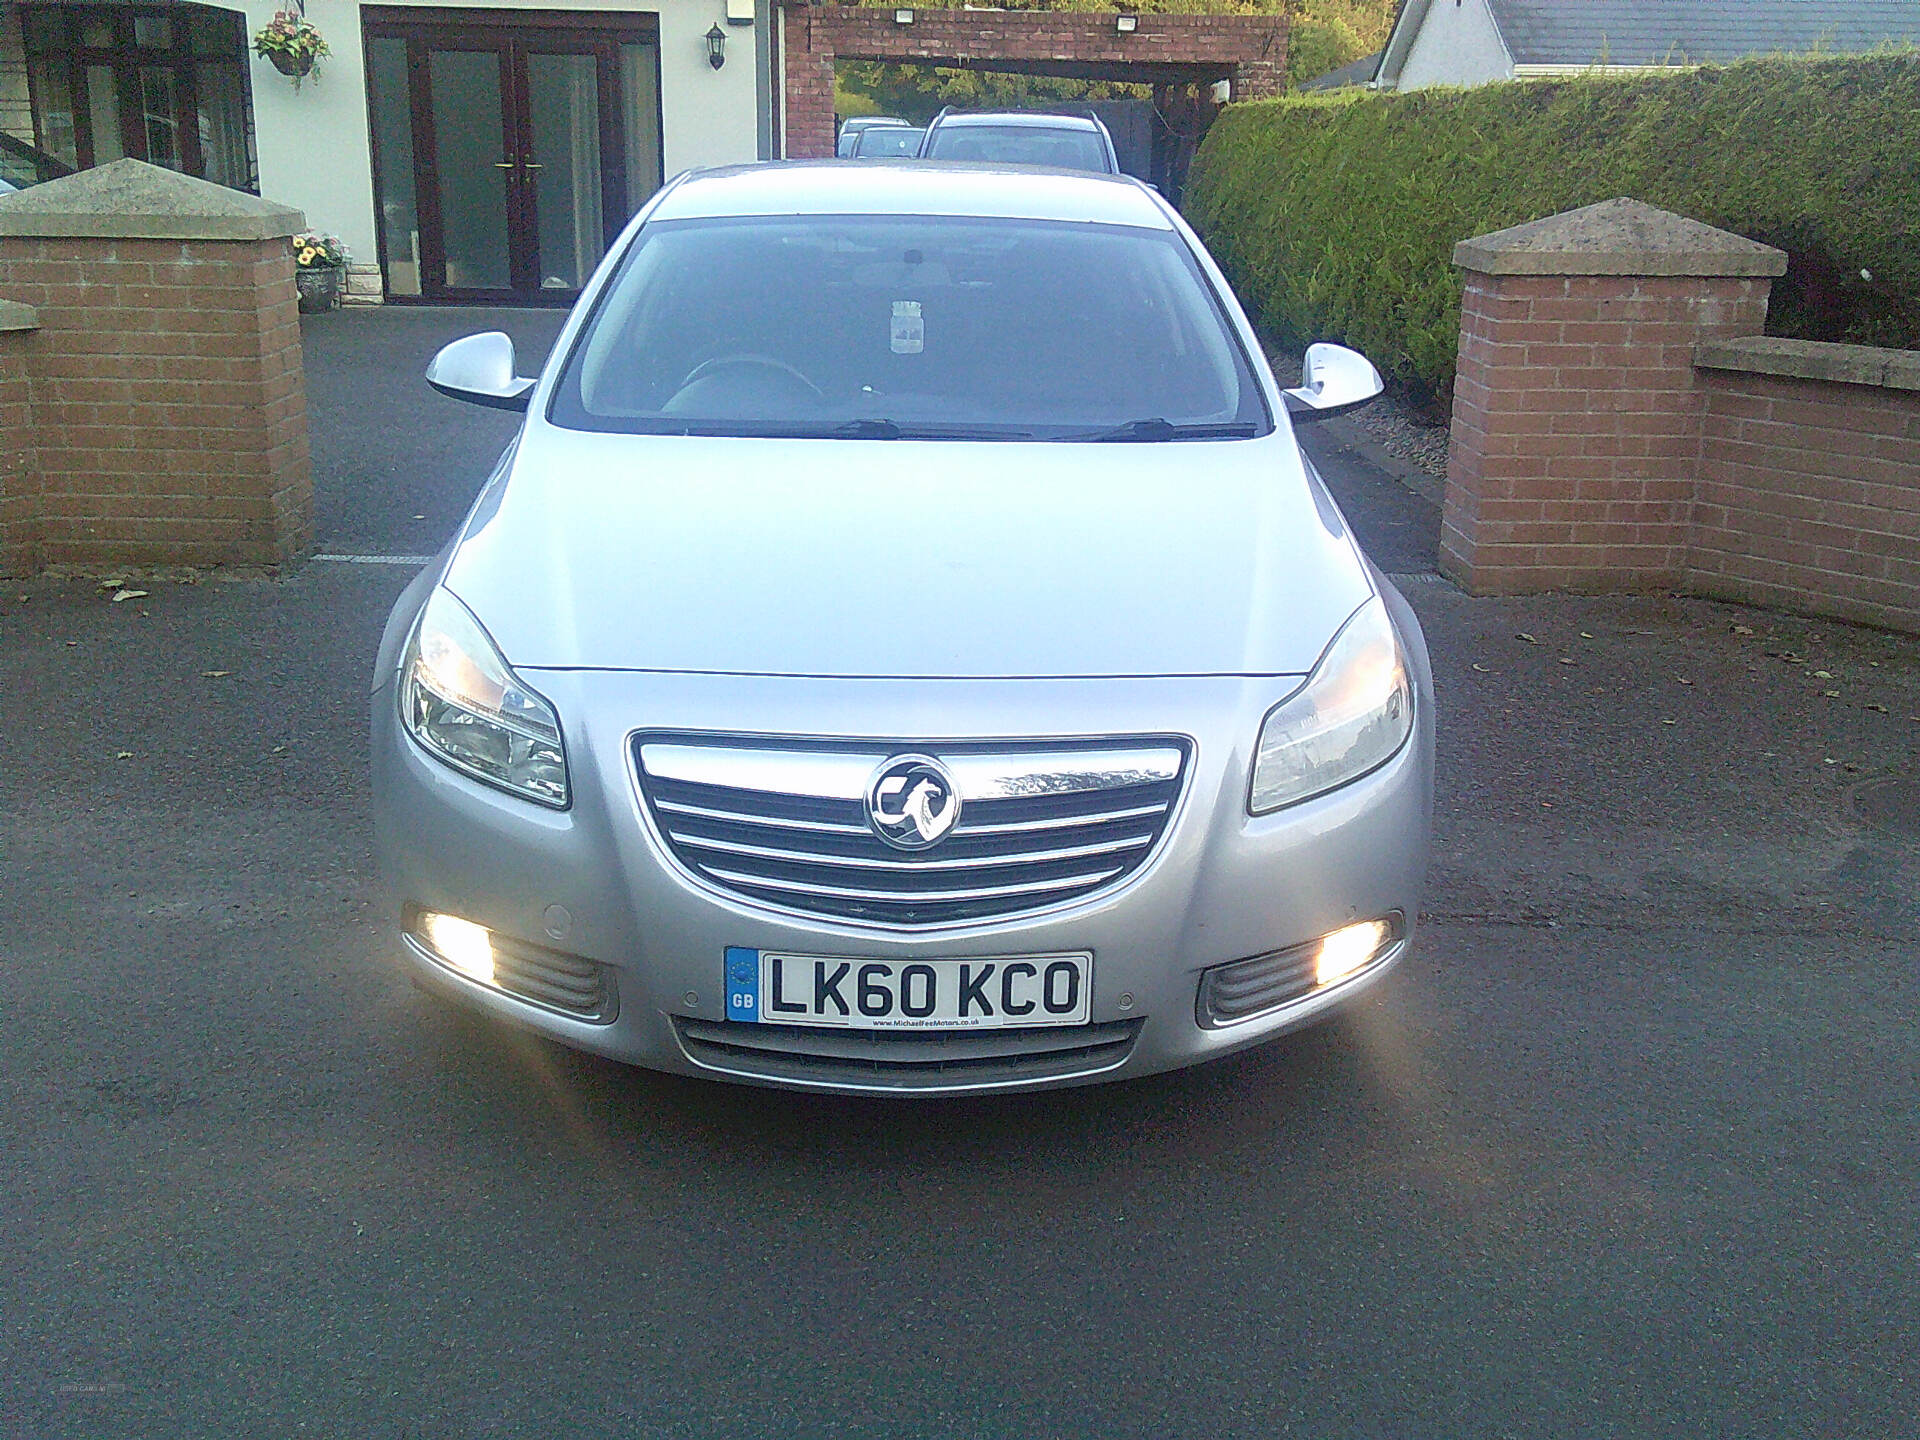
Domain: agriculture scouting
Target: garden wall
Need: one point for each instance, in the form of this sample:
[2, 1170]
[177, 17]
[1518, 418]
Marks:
[1620, 424]
[152, 399]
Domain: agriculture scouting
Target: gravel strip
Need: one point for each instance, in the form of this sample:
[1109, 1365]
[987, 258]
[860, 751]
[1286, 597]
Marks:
[1388, 423]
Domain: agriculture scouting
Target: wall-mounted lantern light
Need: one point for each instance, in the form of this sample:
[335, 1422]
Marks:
[716, 47]
[903, 17]
[1126, 24]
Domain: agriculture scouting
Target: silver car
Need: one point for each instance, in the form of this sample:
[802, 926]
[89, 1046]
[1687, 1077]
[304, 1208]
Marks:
[1021, 137]
[904, 650]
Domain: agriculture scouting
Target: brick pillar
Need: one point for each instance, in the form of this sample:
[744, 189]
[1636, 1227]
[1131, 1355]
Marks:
[808, 83]
[1264, 78]
[1576, 414]
[166, 388]
[19, 479]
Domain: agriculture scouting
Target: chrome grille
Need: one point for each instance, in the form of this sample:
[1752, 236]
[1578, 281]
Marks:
[787, 826]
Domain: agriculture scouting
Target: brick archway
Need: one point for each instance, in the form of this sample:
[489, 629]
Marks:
[1162, 50]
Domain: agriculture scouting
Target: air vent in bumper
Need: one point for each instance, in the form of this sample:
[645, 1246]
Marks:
[569, 984]
[906, 1060]
[1247, 989]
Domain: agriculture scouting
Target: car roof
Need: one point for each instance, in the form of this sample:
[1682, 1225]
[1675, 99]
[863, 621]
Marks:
[1038, 119]
[926, 187]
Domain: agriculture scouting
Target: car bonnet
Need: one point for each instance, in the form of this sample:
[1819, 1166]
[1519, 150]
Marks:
[908, 558]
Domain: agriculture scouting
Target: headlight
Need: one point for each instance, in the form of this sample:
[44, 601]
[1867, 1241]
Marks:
[1354, 712]
[460, 699]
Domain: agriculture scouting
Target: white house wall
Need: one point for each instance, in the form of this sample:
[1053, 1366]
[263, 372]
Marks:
[313, 146]
[1457, 44]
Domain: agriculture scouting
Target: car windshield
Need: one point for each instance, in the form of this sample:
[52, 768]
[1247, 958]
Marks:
[888, 327]
[1061, 147]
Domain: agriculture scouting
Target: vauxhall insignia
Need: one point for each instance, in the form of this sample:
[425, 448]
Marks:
[912, 802]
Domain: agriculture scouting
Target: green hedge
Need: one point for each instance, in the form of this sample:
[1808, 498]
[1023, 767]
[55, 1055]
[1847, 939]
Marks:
[1337, 216]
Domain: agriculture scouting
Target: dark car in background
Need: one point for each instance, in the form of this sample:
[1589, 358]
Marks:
[1021, 137]
[851, 129]
[887, 142]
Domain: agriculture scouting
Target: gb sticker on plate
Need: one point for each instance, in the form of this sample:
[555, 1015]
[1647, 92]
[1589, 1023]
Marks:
[743, 983]
[909, 329]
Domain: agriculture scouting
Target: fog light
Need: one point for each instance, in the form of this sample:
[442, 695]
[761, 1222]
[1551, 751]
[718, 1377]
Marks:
[465, 946]
[1346, 950]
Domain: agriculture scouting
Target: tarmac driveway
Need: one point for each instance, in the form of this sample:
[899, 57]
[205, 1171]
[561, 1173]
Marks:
[1625, 1149]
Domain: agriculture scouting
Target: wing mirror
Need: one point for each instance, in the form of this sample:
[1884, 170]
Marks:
[479, 370]
[1333, 380]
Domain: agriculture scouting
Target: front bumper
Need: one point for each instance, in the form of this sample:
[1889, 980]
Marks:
[598, 881]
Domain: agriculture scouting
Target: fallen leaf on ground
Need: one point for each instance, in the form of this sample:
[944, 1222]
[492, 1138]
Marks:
[124, 755]
[1526, 637]
[1879, 709]
[214, 674]
[1669, 722]
[1568, 660]
[1831, 694]
[1683, 682]
[1483, 669]
[1823, 675]
[1741, 629]
[1585, 635]
[279, 749]
[120, 595]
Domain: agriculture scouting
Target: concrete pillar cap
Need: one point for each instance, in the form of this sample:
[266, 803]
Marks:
[132, 200]
[1617, 237]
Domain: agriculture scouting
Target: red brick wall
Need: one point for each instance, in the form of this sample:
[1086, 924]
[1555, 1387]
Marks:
[167, 398]
[1576, 427]
[1809, 497]
[1251, 50]
[19, 553]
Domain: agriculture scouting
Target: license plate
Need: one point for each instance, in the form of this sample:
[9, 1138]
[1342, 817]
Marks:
[1000, 992]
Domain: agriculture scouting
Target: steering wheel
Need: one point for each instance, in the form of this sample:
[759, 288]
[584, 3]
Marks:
[707, 368]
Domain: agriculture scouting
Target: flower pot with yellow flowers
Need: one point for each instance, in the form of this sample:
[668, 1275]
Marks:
[320, 271]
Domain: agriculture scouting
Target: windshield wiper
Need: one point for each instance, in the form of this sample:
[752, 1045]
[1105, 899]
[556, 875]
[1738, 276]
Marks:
[862, 429]
[870, 429]
[1158, 427]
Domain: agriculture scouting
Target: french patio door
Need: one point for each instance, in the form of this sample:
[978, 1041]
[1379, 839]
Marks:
[507, 155]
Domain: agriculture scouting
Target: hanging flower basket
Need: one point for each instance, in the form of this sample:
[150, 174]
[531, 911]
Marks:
[297, 66]
[291, 45]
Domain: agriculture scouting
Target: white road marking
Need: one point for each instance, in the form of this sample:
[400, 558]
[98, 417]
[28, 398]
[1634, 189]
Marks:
[415, 560]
